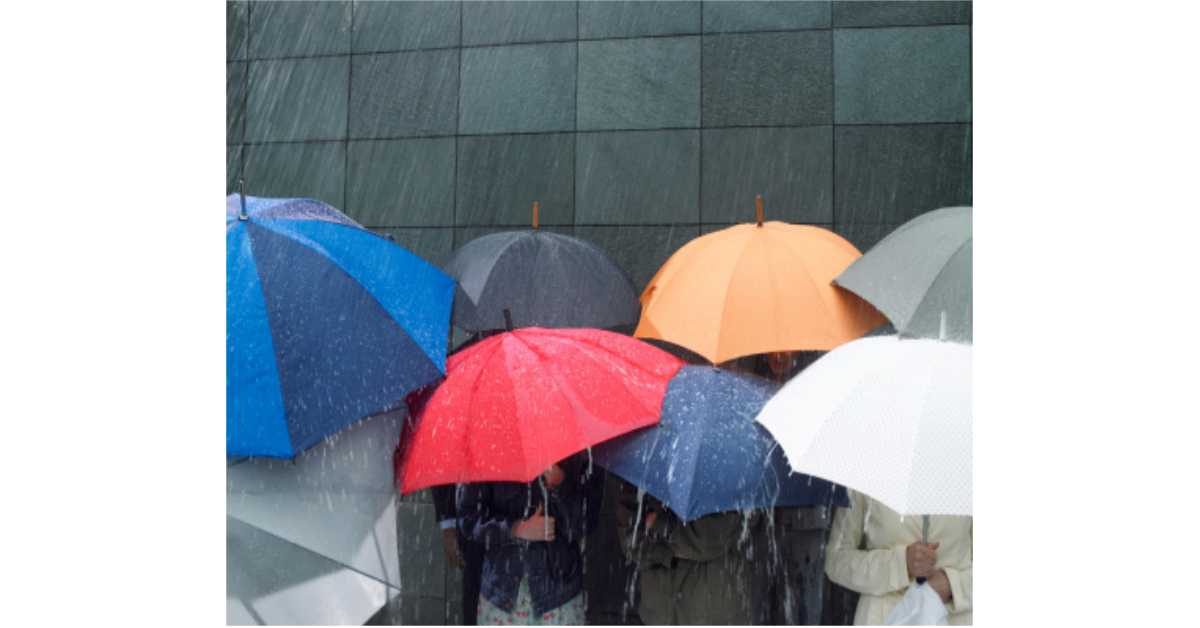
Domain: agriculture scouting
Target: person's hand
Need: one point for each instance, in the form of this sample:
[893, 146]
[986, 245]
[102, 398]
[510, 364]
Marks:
[553, 476]
[940, 584]
[537, 527]
[454, 557]
[921, 559]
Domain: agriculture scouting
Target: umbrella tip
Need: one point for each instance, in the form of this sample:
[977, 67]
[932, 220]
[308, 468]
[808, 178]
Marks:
[535, 214]
[508, 320]
[760, 210]
[242, 192]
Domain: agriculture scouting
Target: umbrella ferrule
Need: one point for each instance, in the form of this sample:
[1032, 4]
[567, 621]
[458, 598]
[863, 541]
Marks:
[242, 192]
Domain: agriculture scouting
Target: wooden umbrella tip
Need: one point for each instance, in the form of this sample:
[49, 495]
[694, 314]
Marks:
[760, 210]
[535, 212]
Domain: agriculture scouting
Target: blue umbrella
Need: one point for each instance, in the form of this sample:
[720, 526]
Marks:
[325, 322]
[708, 455]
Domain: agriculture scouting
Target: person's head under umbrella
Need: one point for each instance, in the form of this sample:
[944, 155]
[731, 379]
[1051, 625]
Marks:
[777, 366]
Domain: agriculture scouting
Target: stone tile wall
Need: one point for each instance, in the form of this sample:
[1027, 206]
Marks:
[635, 125]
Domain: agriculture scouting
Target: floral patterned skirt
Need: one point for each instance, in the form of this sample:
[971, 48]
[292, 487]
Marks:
[569, 614]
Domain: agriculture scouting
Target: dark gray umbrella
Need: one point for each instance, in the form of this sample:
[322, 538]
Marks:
[544, 279]
[918, 272]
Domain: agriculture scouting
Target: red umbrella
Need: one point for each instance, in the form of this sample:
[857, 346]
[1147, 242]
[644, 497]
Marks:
[518, 402]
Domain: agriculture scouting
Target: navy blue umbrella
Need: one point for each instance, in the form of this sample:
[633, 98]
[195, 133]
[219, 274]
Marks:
[325, 322]
[708, 455]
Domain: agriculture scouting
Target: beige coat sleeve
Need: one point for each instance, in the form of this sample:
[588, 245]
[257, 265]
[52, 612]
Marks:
[960, 580]
[873, 572]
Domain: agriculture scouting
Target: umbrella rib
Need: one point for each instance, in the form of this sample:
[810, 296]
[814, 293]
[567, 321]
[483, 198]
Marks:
[467, 450]
[271, 334]
[760, 245]
[624, 382]
[713, 259]
[927, 388]
[787, 244]
[318, 249]
[937, 276]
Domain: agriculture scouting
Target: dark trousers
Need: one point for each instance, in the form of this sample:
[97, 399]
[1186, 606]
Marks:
[473, 554]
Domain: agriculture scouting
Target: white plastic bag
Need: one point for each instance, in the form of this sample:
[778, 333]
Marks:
[920, 606]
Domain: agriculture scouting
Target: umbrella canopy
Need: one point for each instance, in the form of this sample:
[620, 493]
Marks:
[325, 322]
[544, 279]
[885, 416]
[919, 271]
[707, 455]
[517, 402]
[756, 289]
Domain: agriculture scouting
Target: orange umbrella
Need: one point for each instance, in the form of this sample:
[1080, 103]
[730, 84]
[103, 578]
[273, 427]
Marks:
[755, 289]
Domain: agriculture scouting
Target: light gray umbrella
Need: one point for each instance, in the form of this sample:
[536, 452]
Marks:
[918, 272]
[544, 279]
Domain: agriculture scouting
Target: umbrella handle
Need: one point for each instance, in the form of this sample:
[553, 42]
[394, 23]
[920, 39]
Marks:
[925, 529]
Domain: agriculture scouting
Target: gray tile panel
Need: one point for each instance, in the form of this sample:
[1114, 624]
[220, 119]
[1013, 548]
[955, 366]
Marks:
[395, 26]
[401, 183]
[422, 566]
[299, 29]
[517, 89]
[487, 23]
[639, 251]
[502, 176]
[304, 170]
[864, 235]
[612, 19]
[235, 102]
[294, 100]
[768, 79]
[233, 168]
[405, 94]
[792, 168]
[890, 174]
[236, 28]
[637, 177]
[639, 83]
[434, 245]
[732, 17]
[902, 75]
[899, 13]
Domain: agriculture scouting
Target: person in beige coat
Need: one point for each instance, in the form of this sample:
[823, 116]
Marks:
[894, 557]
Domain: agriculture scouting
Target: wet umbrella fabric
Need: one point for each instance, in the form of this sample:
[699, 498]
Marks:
[886, 416]
[707, 455]
[918, 271]
[517, 402]
[756, 289]
[325, 322]
[544, 279]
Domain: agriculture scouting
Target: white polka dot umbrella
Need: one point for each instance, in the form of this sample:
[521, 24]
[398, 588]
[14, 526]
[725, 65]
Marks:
[885, 416]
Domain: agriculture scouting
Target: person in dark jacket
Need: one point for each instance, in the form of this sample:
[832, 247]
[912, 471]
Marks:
[690, 574]
[788, 581]
[533, 543]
